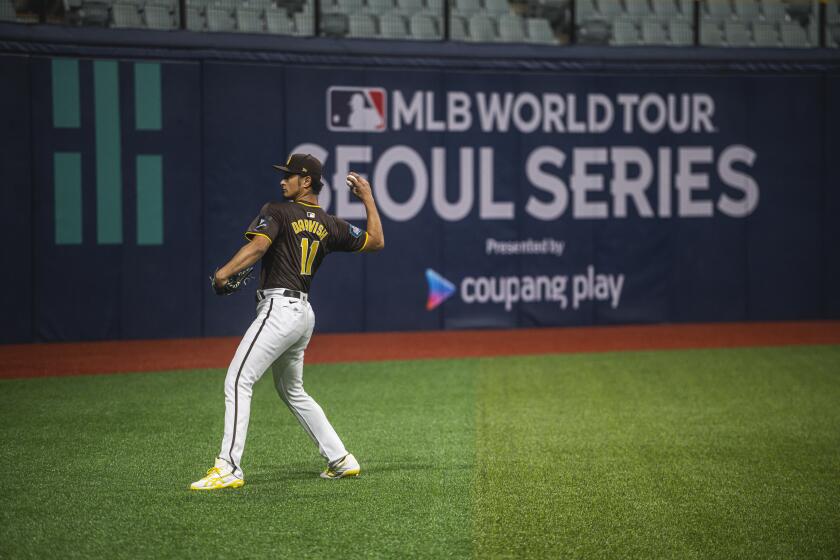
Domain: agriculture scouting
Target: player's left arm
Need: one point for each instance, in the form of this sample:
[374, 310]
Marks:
[246, 256]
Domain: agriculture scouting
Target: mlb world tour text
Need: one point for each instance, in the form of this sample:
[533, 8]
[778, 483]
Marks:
[577, 182]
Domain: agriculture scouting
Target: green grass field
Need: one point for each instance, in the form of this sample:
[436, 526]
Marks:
[691, 454]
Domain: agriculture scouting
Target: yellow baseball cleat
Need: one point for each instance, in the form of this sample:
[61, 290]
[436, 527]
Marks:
[216, 479]
[345, 467]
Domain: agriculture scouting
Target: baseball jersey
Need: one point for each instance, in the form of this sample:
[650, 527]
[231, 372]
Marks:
[301, 236]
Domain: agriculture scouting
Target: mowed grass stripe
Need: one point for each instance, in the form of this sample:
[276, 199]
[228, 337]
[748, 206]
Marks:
[692, 454]
[102, 465]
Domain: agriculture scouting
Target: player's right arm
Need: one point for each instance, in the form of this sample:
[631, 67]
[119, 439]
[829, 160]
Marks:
[376, 237]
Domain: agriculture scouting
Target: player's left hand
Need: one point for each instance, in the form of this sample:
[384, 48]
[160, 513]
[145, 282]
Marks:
[226, 286]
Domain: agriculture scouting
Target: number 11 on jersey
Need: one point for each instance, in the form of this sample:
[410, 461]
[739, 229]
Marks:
[307, 257]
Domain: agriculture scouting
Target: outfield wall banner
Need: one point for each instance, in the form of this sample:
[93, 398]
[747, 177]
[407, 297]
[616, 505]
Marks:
[508, 199]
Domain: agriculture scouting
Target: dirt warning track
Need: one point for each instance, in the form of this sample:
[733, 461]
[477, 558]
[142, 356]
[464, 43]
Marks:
[85, 358]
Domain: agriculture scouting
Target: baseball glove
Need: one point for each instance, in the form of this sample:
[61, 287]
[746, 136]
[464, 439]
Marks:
[233, 283]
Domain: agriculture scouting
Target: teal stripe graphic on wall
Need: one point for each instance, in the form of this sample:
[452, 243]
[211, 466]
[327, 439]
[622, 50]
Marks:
[67, 170]
[65, 93]
[150, 199]
[107, 152]
[147, 96]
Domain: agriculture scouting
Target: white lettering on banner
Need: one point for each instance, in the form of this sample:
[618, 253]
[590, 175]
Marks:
[584, 182]
[493, 112]
[597, 103]
[509, 290]
[489, 208]
[688, 182]
[623, 187]
[553, 185]
[596, 182]
[432, 124]
[553, 112]
[528, 246]
[407, 113]
[664, 182]
[404, 155]
[458, 114]
[452, 212]
[737, 180]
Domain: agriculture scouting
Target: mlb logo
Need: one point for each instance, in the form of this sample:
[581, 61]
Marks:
[356, 109]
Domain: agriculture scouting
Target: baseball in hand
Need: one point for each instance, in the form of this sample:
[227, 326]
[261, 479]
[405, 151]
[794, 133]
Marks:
[351, 181]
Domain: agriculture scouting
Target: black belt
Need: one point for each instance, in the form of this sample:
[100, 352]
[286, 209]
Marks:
[282, 292]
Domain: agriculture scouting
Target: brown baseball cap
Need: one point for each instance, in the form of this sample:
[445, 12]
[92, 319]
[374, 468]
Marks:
[302, 164]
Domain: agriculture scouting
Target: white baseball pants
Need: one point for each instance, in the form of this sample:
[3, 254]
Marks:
[277, 338]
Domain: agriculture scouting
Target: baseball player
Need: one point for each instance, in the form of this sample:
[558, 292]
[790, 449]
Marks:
[292, 238]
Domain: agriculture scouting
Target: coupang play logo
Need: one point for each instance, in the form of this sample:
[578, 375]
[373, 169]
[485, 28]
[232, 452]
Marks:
[567, 291]
[440, 289]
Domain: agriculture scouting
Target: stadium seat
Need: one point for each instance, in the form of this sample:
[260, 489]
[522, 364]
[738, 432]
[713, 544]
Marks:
[379, 7]
[125, 15]
[773, 10]
[710, 34]
[392, 26]
[747, 10]
[765, 34]
[249, 20]
[457, 28]
[794, 35]
[611, 9]
[638, 8]
[586, 10]
[719, 10]
[653, 33]
[594, 32]
[737, 34]
[665, 8]
[539, 31]
[361, 25]
[219, 19]
[424, 27]
[482, 28]
[625, 33]
[95, 13]
[350, 7]
[278, 22]
[260, 5]
[409, 7]
[511, 28]
[686, 8]
[434, 8]
[170, 5]
[680, 32]
[496, 7]
[304, 24]
[195, 19]
[332, 25]
[158, 17]
[466, 7]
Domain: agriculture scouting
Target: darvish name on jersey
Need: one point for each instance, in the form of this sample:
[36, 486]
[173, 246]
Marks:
[312, 226]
